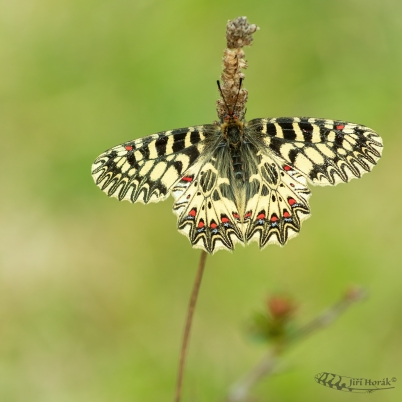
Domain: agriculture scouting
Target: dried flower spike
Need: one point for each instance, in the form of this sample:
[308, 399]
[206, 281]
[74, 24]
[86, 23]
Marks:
[238, 34]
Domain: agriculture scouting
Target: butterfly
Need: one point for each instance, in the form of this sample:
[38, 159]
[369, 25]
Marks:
[235, 181]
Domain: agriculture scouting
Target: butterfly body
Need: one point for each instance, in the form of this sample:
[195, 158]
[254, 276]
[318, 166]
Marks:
[233, 135]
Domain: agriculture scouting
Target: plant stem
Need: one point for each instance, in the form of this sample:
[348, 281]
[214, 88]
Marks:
[240, 390]
[187, 329]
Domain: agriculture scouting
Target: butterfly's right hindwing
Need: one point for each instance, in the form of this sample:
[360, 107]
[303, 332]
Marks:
[146, 169]
[205, 206]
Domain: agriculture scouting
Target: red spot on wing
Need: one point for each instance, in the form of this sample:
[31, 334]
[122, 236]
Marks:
[248, 214]
[274, 218]
[340, 127]
[225, 219]
[213, 225]
[235, 215]
[291, 201]
[201, 224]
[286, 214]
[128, 147]
[287, 168]
[261, 215]
[193, 212]
[188, 179]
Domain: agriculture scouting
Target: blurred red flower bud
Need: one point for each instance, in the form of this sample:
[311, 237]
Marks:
[280, 307]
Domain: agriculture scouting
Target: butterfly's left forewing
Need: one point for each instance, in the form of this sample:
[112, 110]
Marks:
[326, 152]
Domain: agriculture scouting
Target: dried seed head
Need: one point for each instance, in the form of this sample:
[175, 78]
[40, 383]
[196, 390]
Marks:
[238, 34]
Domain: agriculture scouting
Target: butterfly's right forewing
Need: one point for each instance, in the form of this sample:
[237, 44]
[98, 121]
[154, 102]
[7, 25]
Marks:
[146, 169]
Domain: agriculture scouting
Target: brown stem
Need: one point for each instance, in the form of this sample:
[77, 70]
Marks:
[190, 313]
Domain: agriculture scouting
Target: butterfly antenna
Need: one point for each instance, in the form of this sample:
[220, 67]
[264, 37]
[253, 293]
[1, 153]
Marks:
[224, 100]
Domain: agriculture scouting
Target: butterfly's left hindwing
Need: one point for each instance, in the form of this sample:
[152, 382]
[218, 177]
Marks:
[275, 211]
[146, 169]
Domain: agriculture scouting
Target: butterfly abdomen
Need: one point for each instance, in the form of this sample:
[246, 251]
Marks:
[233, 134]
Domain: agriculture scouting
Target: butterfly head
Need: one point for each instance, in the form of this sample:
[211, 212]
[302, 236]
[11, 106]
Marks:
[230, 118]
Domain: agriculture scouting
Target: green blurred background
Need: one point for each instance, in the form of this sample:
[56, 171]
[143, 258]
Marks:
[94, 292]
